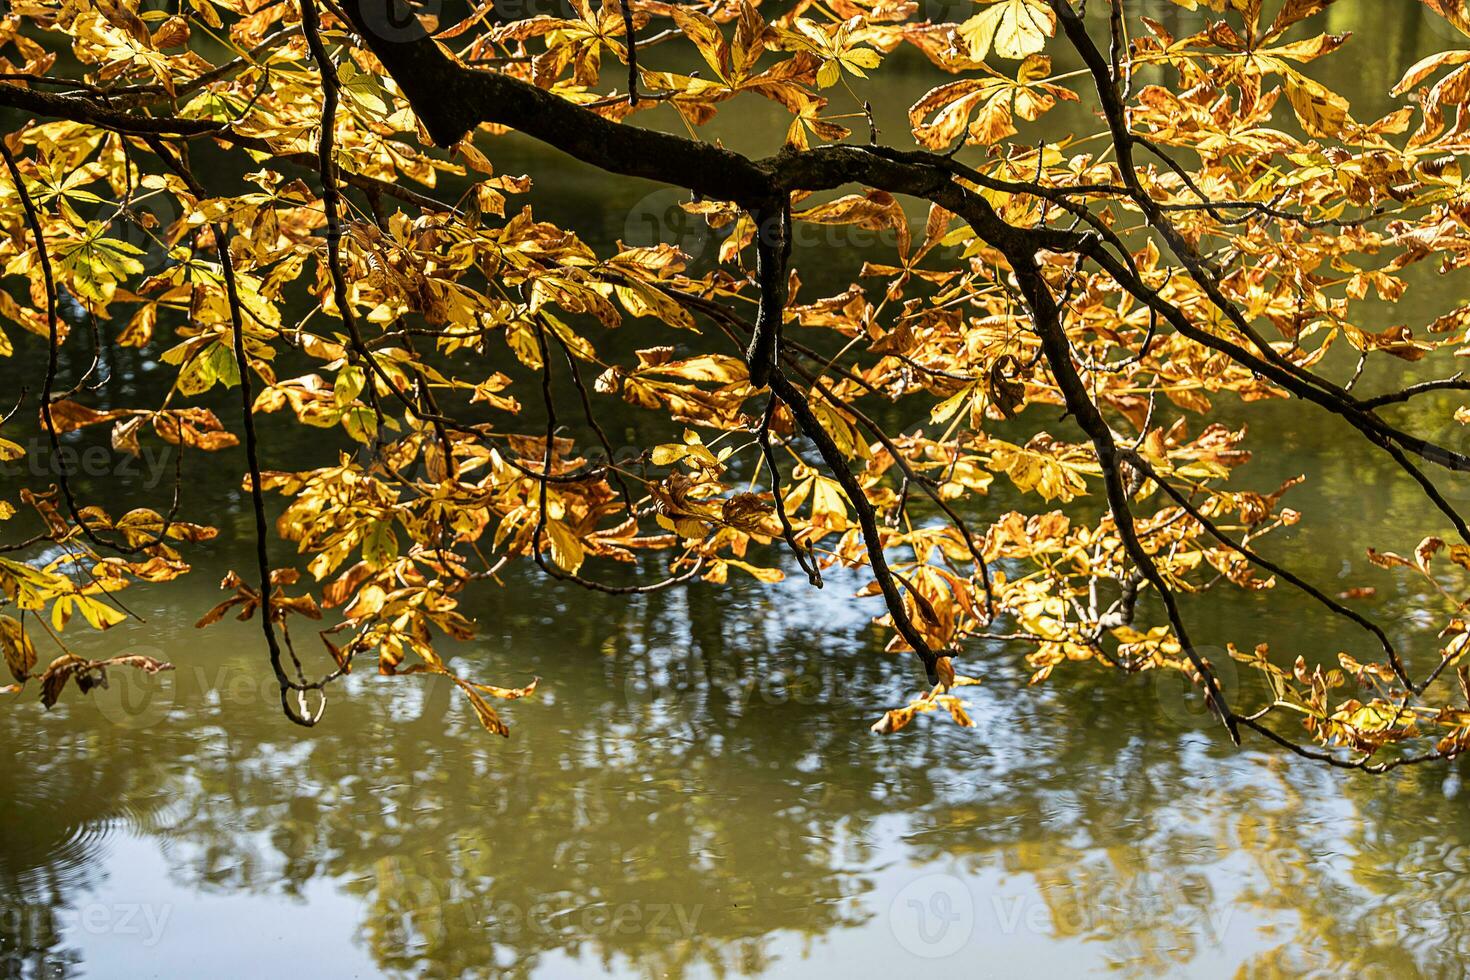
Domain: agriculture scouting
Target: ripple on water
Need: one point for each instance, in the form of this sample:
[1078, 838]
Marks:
[43, 849]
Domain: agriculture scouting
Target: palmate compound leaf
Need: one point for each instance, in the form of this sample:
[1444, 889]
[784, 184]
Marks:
[1011, 29]
[984, 110]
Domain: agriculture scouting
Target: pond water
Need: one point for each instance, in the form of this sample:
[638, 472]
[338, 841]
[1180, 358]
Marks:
[693, 790]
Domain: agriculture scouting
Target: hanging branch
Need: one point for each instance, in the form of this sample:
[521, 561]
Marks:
[544, 479]
[1142, 465]
[1058, 352]
[296, 712]
[595, 426]
[812, 428]
[723, 315]
[48, 384]
[772, 253]
[804, 556]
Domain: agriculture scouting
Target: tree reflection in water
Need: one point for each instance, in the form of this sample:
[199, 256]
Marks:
[702, 800]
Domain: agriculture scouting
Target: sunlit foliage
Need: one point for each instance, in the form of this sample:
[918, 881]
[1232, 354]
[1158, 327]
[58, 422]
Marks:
[1065, 318]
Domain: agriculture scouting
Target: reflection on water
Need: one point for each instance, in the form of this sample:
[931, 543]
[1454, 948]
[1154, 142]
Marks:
[692, 791]
[694, 794]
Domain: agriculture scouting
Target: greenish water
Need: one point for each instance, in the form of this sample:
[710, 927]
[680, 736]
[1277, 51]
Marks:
[693, 790]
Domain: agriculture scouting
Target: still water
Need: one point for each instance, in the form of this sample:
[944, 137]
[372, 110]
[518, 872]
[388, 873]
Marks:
[693, 791]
